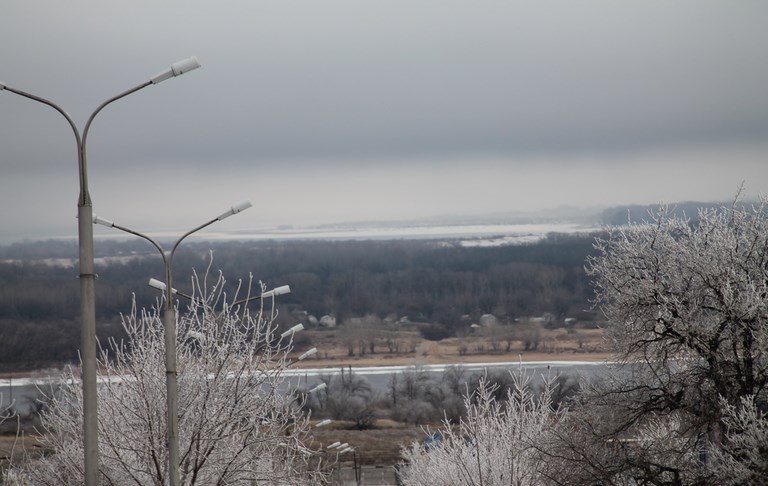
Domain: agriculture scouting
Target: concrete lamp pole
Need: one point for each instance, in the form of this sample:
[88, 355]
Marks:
[87, 274]
[169, 324]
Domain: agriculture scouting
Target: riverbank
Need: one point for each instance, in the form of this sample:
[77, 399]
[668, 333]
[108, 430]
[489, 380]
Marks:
[336, 349]
[412, 359]
[339, 348]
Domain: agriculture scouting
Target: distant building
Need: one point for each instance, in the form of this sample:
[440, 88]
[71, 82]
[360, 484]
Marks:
[546, 318]
[488, 320]
[327, 321]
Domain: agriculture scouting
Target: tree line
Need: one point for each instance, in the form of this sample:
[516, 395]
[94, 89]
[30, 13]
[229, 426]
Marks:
[441, 283]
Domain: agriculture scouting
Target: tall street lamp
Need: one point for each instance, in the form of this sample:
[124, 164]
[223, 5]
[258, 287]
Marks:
[169, 324]
[87, 275]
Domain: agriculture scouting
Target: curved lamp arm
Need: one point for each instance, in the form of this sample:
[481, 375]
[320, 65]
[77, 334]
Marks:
[168, 257]
[84, 197]
[110, 224]
[233, 210]
[176, 69]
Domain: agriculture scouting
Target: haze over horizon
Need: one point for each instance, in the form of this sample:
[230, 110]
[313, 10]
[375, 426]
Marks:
[324, 112]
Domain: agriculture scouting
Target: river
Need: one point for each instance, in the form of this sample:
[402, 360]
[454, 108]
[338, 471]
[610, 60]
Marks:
[24, 391]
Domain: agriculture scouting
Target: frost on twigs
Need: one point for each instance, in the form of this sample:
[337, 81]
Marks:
[690, 299]
[743, 457]
[686, 306]
[494, 445]
[238, 422]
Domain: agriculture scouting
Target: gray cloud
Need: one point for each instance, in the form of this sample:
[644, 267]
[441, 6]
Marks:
[312, 98]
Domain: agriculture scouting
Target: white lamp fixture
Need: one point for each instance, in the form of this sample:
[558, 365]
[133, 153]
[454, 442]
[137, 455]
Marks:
[307, 354]
[292, 331]
[285, 289]
[235, 209]
[176, 69]
[321, 386]
[102, 221]
[196, 335]
[154, 283]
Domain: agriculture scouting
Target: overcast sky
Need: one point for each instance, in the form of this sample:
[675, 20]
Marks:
[329, 111]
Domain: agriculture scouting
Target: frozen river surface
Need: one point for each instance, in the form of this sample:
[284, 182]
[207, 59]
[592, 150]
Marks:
[24, 390]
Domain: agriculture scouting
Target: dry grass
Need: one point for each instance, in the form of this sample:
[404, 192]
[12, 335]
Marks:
[483, 346]
[18, 449]
[378, 446]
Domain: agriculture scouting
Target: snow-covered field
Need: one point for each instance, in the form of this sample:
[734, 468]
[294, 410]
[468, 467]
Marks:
[468, 234]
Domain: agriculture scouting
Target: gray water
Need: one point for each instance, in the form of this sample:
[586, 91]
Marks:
[379, 377]
[22, 392]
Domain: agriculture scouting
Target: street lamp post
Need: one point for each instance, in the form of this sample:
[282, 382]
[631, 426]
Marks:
[87, 274]
[169, 333]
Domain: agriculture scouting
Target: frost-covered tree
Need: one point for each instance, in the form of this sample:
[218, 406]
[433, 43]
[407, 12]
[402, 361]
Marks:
[494, 445]
[693, 299]
[686, 304]
[346, 396]
[593, 445]
[418, 397]
[743, 457]
[237, 421]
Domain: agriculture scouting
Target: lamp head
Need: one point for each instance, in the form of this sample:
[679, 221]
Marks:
[156, 284]
[102, 221]
[185, 65]
[298, 327]
[307, 354]
[235, 209]
[321, 386]
[285, 289]
[2, 85]
[176, 69]
[196, 335]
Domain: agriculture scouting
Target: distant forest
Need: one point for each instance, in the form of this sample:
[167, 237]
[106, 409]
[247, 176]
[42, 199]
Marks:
[440, 283]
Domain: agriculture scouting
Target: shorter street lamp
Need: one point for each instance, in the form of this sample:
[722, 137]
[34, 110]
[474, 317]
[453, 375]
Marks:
[169, 323]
